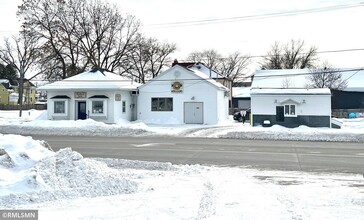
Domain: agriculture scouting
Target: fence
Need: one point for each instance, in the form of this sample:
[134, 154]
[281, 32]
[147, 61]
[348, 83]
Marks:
[25, 107]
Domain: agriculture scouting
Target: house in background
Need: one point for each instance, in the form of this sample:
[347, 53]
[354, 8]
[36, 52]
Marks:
[291, 107]
[96, 94]
[241, 98]
[183, 95]
[209, 73]
[282, 97]
[29, 91]
[348, 101]
[4, 91]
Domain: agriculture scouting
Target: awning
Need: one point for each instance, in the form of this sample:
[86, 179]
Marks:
[60, 97]
[99, 97]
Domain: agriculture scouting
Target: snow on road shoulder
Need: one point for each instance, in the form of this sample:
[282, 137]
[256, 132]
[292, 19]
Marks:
[64, 185]
[29, 172]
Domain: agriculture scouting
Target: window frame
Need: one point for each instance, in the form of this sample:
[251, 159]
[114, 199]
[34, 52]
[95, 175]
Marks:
[104, 107]
[160, 101]
[290, 110]
[65, 113]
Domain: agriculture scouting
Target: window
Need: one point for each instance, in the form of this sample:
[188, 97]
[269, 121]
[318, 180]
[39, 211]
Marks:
[123, 107]
[289, 110]
[97, 107]
[162, 104]
[59, 107]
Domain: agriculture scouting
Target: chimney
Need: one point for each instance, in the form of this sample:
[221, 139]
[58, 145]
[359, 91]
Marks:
[175, 62]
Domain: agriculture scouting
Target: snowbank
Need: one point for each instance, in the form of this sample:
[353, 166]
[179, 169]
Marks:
[352, 129]
[64, 185]
[31, 172]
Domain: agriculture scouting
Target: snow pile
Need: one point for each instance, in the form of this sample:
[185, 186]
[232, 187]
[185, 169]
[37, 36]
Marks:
[31, 173]
[352, 123]
[353, 129]
[301, 133]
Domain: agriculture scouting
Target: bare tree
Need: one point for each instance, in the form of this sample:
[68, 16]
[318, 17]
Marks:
[326, 76]
[20, 52]
[287, 83]
[149, 57]
[53, 21]
[78, 34]
[211, 58]
[234, 67]
[292, 55]
[106, 36]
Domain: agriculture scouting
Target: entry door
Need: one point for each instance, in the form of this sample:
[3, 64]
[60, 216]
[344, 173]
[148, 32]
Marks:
[280, 113]
[193, 112]
[82, 110]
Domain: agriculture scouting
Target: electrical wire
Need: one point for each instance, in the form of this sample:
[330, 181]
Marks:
[254, 17]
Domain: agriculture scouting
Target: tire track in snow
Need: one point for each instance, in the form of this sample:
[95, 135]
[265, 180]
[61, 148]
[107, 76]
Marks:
[207, 206]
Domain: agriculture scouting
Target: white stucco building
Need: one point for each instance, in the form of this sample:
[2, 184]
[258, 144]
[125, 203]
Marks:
[182, 95]
[96, 94]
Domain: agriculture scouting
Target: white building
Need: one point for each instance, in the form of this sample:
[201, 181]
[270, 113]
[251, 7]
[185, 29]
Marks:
[291, 107]
[96, 94]
[183, 95]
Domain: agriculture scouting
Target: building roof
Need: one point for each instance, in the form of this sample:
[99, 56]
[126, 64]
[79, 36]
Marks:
[316, 91]
[241, 92]
[297, 78]
[96, 79]
[202, 68]
[196, 72]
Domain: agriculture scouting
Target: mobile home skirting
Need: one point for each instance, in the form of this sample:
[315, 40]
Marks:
[292, 122]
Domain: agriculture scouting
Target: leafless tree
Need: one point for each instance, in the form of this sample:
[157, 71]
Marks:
[149, 57]
[292, 55]
[211, 58]
[20, 52]
[234, 67]
[326, 76]
[106, 36]
[78, 34]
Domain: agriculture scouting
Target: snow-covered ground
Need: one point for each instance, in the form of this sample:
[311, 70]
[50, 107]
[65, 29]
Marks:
[34, 122]
[64, 185]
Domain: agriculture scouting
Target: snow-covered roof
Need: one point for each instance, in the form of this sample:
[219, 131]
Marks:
[208, 79]
[316, 91]
[196, 72]
[96, 79]
[241, 92]
[210, 73]
[297, 78]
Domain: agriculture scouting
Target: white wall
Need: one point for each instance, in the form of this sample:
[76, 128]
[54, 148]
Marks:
[114, 109]
[314, 104]
[194, 90]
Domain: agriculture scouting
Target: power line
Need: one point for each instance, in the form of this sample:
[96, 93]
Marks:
[311, 72]
[255, 17]
[264, 56]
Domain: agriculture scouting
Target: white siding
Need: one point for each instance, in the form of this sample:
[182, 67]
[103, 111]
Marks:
[114, 109]
[307, 104]
[195, 89]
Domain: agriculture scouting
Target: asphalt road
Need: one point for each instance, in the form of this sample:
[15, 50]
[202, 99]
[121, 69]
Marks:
[265, 154]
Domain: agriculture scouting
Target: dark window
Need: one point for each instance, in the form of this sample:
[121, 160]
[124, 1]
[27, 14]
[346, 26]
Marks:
[162, 104]
[290, 110]
[124, 106]
[59, 107]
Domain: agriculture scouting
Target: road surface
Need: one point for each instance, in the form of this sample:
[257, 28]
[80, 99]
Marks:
[265, 154]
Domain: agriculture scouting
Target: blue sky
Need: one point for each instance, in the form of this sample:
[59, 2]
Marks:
[330, 30]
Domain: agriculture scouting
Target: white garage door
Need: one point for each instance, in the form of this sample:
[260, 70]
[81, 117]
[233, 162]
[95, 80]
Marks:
[193, 112]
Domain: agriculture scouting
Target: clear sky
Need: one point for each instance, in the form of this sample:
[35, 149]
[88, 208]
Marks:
[327, 30]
